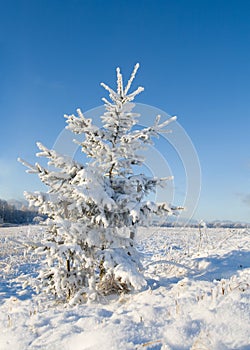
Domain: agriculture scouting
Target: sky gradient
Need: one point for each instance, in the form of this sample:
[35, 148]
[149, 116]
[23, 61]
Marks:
[195, 63]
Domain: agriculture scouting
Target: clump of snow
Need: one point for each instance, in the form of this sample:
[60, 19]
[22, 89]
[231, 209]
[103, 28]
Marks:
[197, 297]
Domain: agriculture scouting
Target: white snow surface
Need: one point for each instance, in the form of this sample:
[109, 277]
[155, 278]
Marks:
[197, 297]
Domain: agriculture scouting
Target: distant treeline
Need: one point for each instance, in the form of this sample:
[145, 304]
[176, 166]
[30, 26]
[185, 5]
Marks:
[214, 224]
[9, 214]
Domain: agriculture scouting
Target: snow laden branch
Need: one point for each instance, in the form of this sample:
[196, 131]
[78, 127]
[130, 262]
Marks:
[121, 96]
[94, 209]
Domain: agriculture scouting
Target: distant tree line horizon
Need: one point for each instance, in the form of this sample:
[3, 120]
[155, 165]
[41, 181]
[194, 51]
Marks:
[10, 214]
[209, 224]
[16, 212]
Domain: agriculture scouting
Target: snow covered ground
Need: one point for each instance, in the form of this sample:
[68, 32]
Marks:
[198, 297]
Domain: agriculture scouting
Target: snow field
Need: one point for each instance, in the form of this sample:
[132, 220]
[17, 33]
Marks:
[197, 297]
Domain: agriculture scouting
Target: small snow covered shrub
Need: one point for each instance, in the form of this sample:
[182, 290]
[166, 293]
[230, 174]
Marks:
[94, 209]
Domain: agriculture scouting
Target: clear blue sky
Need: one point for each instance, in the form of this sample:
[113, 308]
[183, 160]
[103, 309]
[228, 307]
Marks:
[195, 63]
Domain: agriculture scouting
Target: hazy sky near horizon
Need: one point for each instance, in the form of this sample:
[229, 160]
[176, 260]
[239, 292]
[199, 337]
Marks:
[195, 63]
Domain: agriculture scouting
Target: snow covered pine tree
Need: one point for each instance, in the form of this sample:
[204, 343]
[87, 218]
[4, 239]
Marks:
[94, 209]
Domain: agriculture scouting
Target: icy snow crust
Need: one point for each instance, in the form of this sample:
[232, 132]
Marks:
[197, 297]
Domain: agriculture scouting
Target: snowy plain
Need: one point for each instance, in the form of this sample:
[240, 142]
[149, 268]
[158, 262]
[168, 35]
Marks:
[198, 297]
